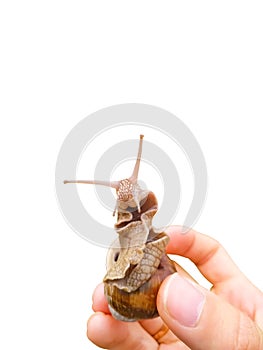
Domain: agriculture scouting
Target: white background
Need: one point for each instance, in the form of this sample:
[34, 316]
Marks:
[63, 60]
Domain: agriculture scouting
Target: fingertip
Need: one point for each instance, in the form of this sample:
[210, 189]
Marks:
[181, 239]
[96, 326]
[103, 330]
[182, 300]
[92, 323]
[98, 292]
[198, 316]
[99, 302]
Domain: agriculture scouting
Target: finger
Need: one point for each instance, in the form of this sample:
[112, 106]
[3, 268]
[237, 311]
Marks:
[202, 320]
[206, 253]
[108, 333]
[183, 272]
[99, 302]
[157, 326]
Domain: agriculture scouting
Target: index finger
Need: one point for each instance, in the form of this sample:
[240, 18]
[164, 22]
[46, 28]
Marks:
[207, 254]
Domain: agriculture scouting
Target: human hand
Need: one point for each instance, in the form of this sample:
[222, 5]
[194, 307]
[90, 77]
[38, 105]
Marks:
[229, 316]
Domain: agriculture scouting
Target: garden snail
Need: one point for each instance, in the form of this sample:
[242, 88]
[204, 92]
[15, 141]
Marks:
[139, 264]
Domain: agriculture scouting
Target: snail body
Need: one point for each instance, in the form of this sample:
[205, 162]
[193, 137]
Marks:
[136, 262]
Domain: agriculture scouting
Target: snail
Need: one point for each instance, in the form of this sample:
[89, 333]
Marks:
[137, 263]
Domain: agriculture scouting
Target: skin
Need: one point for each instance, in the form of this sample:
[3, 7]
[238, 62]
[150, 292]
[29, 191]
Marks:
[230, 315]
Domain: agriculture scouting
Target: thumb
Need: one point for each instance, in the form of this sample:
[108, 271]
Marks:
[202, 320]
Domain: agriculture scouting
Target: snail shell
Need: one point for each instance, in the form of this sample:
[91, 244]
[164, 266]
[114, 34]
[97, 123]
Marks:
[135, 271]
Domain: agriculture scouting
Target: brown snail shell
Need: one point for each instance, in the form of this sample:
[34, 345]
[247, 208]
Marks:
[131, 289]
[140, 304]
